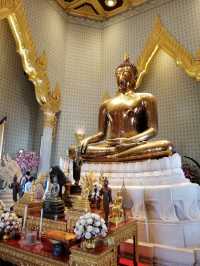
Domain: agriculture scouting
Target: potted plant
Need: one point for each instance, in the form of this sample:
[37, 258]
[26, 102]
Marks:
[89, 227]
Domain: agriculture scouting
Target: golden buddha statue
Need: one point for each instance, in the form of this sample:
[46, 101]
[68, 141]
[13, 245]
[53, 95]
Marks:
[126, 124]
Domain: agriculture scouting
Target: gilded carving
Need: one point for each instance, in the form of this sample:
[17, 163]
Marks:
[81, 258]
[160, 38]
[34, 66]
[26, 258]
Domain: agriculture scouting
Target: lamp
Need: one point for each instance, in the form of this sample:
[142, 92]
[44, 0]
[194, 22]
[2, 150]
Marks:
[110, 3]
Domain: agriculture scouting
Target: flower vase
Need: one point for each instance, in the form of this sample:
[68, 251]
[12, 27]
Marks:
[89, 244]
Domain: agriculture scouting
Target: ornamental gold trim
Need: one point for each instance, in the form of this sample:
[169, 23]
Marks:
[22, 257]
[34, 66]
[160, 38]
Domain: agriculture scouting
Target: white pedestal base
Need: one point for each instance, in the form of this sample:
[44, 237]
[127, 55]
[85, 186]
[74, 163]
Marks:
[166, 205]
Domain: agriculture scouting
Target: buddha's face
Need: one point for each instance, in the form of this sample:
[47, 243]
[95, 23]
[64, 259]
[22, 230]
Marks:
[125, 78]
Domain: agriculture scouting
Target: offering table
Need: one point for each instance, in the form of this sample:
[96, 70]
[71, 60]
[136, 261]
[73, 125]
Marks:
[41, 255]
[32, 255]
[124, 231]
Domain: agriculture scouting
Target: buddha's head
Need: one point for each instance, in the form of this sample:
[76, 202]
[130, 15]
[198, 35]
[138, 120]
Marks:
[126, 74]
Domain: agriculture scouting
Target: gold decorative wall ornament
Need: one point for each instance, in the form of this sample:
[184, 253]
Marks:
[34, 66]
[160, 38]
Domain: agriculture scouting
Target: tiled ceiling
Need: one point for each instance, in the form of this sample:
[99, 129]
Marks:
[97, 9]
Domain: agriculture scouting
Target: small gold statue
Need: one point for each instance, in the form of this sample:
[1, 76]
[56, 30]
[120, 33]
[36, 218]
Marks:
[87, 183]
[117, 211]
[126, 124]
[32, 198]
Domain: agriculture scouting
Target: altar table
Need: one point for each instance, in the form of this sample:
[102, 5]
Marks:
[124, 231]
[16, 252]
[40, 254]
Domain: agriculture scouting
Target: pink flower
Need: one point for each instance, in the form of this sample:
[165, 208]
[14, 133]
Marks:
[27, 160]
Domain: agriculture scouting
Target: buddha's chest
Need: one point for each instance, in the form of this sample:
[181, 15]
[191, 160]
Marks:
[127, 112]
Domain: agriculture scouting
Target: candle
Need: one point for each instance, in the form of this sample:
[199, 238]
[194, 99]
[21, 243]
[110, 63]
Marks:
[25, 217]
[41, 220]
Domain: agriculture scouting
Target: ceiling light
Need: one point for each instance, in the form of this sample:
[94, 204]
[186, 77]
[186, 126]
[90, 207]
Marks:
[110, 3]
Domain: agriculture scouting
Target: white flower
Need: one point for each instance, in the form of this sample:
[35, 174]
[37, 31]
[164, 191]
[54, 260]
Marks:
[89, 221]
[80, 228]
[82, 221]
[78, 234]
[103, 234]
[96, 216]
[88, 235]
[1, 225]
[97, 223]
[87, 215]
[96, 230]
[89, 228]
[104, 227]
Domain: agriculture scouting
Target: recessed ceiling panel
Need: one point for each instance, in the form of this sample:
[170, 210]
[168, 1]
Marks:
[98, 9]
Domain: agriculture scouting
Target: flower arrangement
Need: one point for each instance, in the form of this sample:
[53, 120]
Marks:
[27, 160]
[9, 223]
[90, 226]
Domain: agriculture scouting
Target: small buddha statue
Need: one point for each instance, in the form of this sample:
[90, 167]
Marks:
[117, 210]
[53, 204]
[127, 122]
[106, 193]
[87, 182]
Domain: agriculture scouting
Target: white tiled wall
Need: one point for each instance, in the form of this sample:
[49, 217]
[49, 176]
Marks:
[74, 60]
[16, 97]
[82, 89]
